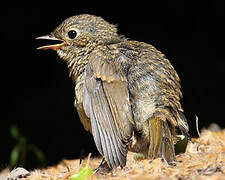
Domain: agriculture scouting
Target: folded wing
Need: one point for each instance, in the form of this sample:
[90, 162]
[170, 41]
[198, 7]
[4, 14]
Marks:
[106, 103]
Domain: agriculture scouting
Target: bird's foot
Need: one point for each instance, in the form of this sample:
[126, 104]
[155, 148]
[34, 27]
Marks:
[103, 168]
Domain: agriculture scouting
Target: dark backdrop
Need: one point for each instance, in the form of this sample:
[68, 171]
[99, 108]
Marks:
[37, 94]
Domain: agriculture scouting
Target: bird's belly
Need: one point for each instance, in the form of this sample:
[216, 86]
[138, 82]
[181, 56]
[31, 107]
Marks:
[79, 103]
[83, 118]
[143, 96]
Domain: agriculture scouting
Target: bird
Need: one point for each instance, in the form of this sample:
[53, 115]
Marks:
[127, 93]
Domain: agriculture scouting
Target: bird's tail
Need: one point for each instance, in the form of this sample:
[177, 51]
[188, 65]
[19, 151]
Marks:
[161, 140]
[183, 125]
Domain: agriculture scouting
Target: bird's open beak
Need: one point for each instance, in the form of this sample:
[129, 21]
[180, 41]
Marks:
[53, 46]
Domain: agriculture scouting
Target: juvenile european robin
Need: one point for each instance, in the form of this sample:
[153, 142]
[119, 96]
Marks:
[127, 94]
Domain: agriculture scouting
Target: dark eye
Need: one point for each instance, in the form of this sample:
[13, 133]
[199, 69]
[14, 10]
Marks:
[72, 34]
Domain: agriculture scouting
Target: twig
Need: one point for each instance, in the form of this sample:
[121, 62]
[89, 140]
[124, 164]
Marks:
[196, 120]
[89, 157]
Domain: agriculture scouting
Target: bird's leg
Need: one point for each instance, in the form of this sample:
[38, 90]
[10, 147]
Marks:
[161, 141]
[103, 167]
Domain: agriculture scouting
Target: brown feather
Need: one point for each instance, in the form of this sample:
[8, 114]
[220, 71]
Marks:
[122, 88]
[107, 106]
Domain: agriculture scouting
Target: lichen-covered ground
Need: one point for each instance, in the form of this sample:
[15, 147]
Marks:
[204, 159]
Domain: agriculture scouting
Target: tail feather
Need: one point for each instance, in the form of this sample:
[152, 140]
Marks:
[183, 125]
[161, 140]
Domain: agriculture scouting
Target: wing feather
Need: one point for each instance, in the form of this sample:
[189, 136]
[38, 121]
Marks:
[107, 105]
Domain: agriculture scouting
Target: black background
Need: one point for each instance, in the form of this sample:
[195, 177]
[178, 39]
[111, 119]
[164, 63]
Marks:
[37, 94]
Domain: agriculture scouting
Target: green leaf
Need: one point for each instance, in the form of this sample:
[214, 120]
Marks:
[83, 174]
[14, 156]
[180, 146]
[14, 132]
[38, 153]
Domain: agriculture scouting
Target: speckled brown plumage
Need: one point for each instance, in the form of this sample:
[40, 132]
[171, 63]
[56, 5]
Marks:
[127, 93]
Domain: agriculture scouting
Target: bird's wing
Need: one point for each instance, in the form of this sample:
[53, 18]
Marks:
[106, 103]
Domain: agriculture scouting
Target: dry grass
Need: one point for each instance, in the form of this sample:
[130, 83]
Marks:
[204, 159]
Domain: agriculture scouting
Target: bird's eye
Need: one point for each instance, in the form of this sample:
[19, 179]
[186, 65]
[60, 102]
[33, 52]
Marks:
[72, 34]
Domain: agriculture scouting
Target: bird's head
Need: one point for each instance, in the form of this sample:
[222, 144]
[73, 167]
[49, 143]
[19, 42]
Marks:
[80, 34]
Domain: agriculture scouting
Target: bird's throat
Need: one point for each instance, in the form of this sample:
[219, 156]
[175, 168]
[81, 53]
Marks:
[76, 62]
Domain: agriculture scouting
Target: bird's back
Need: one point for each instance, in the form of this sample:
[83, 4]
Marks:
[154, 88]
[152, 81]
